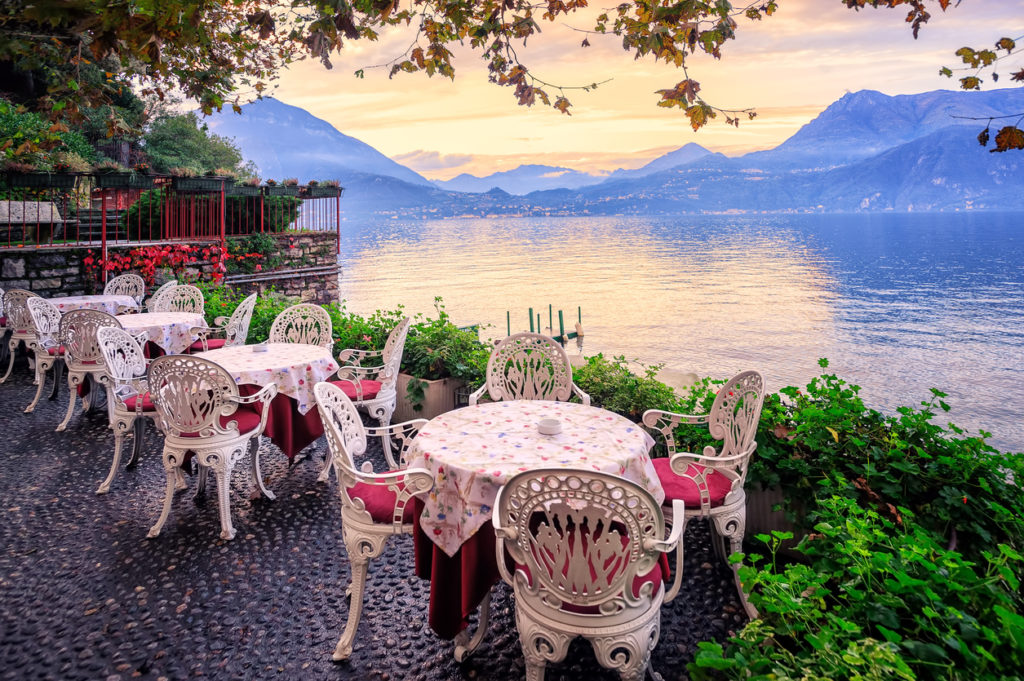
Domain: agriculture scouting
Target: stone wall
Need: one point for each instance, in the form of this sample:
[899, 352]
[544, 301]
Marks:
[309, 269]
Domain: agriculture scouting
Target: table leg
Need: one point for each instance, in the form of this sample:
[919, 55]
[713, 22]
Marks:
[466, 645]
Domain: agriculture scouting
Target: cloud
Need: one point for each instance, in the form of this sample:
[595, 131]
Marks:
[422, 160]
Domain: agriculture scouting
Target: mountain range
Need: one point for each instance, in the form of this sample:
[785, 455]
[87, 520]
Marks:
[866, 152]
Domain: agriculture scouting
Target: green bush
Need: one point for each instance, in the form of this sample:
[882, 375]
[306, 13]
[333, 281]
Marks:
[246, 252]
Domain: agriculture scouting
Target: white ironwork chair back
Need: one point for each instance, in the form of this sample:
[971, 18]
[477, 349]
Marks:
[18, 316]
[46, 320]
[583, 537]
[303, 323]
[2, 306]
[392, 355]
[78, 336]
[236, 331]
[529, 366]
[191, 394]
[155, 303]
[182, 298]
[122, 353]
[126, 285]
[346, 435]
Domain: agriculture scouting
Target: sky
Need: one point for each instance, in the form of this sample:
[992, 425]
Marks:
[788, 67]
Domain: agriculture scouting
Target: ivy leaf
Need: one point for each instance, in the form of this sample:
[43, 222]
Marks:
[1010, 137]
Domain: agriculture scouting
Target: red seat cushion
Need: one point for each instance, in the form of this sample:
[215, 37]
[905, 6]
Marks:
[380, 502]
[248, 418]
[211, 344]
[370, 389]
[147, 403]
[685, 488]
[3, 321]
[54, 351]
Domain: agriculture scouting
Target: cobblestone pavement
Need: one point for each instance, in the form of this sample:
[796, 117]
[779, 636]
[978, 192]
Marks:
[84, 595]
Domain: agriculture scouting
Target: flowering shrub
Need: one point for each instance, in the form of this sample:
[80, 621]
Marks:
[148, 260]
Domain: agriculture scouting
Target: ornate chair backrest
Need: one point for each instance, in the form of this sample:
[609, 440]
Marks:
[191, 394]
[346, 435]
[392, 355]
[303, 323]
[529, 366]
[46, 319]
[1, 302]
[182, 298]
[78, 336]
[236, 331]
[18, 316]
[156, 303]
[121, 353]
[126, 285]
[581, 535]
[734, 418]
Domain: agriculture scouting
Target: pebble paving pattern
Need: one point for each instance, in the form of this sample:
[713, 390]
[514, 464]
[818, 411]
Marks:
[84, 594]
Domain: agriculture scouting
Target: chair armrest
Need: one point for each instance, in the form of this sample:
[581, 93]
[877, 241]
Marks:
[679, 461]
[221, 322]
[672, 543]
[477, 394]
[501, 535]
[584, 397]
[406, 484]
[355, 358]
[353, 373]
[656, 418]
[264, 394]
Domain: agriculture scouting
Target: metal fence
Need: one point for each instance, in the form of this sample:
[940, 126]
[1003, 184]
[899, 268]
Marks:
[41, 210]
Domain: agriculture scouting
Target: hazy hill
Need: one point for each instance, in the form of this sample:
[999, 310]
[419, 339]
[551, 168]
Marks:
[522, 180]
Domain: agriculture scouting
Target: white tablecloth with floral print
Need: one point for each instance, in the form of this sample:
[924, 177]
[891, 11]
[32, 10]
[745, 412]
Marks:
[473, 451]
[108, 304]
[172, 331]
[294, 367]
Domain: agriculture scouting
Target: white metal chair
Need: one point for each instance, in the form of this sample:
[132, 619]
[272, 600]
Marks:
[19, 323]
[586, 551]
[128, 399]
[155, 303]
[48, 350]
[82, 355]
[529, 366]
[235, 329]
[126, 285]
[303, 323]
[711, 484]
[374, 506]
[369, 378]
[182, 298]
[3, 331]
[198, 409]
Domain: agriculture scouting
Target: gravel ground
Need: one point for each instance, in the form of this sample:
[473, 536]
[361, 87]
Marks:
[84, 595]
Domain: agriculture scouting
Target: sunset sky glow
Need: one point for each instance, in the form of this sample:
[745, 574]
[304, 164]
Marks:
[788, 67]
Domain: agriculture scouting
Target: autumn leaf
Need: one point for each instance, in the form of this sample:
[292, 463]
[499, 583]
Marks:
[562, 104]
[699, 115]
[970, 83]
[1010, 137]
[983, 137]
[1006, 44]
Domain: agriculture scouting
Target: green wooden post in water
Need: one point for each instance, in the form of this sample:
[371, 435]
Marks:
[508, 322]
[531, 320]
[561, 327]
[551, 324]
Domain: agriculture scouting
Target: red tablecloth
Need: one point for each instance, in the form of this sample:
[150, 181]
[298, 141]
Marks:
[286, 427]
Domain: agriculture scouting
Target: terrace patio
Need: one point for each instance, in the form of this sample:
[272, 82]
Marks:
[84, 595]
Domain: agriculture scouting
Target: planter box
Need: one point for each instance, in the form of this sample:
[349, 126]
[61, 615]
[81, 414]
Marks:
[42, 180]
[438, 398]
[281, 190]
[244, 190]
[197, 184]
[123, 181]
[322, 192]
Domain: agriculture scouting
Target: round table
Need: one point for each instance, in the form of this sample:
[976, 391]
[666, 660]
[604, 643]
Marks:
[172, 331]
[109, 304]
[473, 451]
[293, 421]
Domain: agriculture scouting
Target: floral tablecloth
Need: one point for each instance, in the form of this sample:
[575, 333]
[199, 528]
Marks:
[108, 304]
[170, 330]
[473, 451]
[294, 367]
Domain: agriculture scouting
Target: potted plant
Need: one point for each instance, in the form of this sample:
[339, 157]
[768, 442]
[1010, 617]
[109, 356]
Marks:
[289, 187]
[185, 180]
[273, 188]
[26, 174]
[327, 189]
[247, 187]
[112, 175]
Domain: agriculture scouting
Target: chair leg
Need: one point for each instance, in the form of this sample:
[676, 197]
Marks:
[325, 472]
[680, 555]
[356, 587]
[138, 438]
[41, 368]
[540, 646]
[466, 645]
[73, 381]
[257, 474]
[731, 528]
[629, 652]
[383, 415]
[12, 346]
[119, 428]
[58, 377]
[220, 462]
[171, 467]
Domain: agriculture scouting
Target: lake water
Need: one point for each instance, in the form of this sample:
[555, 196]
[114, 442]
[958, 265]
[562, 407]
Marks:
[897, 303]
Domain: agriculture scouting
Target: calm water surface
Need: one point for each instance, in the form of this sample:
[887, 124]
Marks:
[898, 304]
